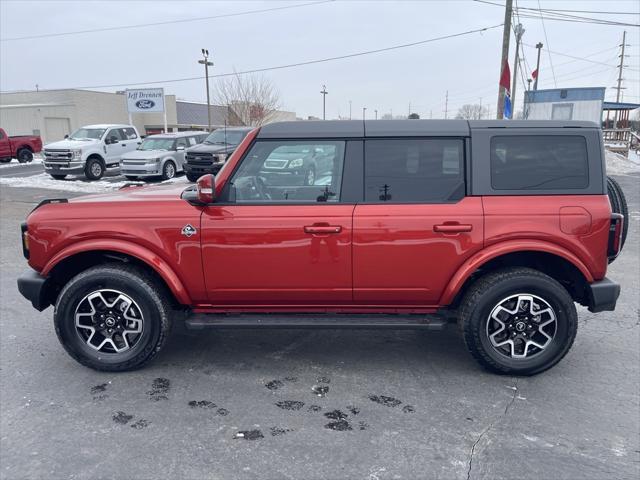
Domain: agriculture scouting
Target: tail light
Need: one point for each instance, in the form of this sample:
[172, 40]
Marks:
[615, 235]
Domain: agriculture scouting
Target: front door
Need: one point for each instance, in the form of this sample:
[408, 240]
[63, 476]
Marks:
[280, 236]
[416, 227]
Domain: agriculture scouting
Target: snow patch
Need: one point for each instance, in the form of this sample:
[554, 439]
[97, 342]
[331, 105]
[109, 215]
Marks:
[45, 181]
[618, 164]
[14, 163]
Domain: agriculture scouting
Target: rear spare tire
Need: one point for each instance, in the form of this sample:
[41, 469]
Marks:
[619, 205]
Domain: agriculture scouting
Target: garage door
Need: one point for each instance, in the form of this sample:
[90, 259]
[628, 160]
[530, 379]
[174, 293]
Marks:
[56, 128]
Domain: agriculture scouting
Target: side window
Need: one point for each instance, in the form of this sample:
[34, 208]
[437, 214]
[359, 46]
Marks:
[303, 171]
[414, 170]
[117, 133]
[539, 162]
[130, 134]
[192, 141]
[181, 142]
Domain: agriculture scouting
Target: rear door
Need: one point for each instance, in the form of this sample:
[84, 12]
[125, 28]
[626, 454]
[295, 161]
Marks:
[131, 139]
[274, 240]
[416, 226]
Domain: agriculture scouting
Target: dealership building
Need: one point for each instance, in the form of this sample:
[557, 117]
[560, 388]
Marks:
[52, 114]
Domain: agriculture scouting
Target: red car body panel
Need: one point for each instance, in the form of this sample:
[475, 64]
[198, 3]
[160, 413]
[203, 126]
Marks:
[9, 146]
[340, 258]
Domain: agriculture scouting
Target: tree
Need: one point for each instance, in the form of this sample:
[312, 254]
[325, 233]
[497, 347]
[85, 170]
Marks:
[414, 116]
[254, 99]
[473, 111]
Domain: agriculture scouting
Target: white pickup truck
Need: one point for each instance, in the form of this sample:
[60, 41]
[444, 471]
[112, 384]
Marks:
[90, 150]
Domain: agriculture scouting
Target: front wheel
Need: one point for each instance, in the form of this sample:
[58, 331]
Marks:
[112, 318]
[168, 170]
[518, 321]
[94, 169]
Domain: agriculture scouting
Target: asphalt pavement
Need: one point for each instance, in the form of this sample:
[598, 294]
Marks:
[305, 404]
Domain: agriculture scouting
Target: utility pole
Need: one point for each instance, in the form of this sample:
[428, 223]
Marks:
[324, 97]
[619, 88]
[349, 109]
[376, 112]
[205, 61]
[446, 104]
[535, 83]
[506, 36]
[519, 31]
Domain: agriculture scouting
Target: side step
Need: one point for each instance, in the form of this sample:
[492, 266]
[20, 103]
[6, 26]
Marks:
[256, 320]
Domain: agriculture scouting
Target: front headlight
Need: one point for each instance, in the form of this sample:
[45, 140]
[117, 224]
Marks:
[221, 157]
[296, 163]
[77, 154]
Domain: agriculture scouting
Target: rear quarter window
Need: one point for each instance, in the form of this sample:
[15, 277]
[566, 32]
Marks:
[539, 162]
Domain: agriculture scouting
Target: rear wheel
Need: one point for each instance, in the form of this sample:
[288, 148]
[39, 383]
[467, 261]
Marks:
[25, 155]
[168, 170]
[94, 169]
[112, 318]
[518, 321]
[58, 177]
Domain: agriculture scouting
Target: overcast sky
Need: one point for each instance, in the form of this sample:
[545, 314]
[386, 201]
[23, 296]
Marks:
[466, 66]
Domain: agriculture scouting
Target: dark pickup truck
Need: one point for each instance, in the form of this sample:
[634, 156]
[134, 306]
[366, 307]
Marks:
[212, 153]
[21, 147]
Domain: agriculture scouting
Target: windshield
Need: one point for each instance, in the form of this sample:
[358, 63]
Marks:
[233, 137]
[87, 134]
[157, 144]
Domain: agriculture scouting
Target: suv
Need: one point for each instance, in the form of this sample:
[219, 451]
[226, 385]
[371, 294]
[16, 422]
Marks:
[210, 155]
[90, 150]
[159, 155]
[501, 226]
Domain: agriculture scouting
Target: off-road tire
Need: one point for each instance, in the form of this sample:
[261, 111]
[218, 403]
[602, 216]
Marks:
[58, 177]
[150, 296]
[192, 178]
[488, 291]
[25, 155]
[619, 205]
[91, 171]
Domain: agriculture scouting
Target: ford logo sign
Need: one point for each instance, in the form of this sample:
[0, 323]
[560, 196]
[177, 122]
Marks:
[145, 104]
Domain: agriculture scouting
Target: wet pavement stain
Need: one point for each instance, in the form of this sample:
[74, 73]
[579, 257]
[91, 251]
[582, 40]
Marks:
[408, 409]
[353, 410]
[277, 431]
[323, 380]
[274, 385]
[122, 418]
[249, 434]
[340, 426]
[386, 401]
[320, 390]
[140, 424]
[159, 389]
[336, 415]
[291, 379]
[202, 404]
[363, 425]
[314, 408]
[222, 412]
[290, 404]
[98, 391]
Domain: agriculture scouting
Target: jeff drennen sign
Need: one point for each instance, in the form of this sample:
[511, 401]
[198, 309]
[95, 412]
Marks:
[145, 100]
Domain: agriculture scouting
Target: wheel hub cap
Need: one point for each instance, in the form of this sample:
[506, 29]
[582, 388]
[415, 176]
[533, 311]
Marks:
[521, 326]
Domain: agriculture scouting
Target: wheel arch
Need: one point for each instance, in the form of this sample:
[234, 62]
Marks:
[24, 146]
[550, 259]
[81, 256]
[95, 155]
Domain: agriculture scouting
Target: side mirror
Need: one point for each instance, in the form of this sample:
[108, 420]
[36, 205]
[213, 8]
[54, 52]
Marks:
[66, 136]
[204, 192]
[113, 139]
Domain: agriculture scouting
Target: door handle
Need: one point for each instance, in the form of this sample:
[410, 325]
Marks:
[322, 229]
[123, 144]
[452, 228]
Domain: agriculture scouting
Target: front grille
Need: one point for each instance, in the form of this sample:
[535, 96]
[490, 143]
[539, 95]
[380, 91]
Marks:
[133, 162]
[275, 164]
[204, 159]
[55, 154]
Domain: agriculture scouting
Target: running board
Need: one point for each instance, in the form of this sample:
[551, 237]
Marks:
[198, 321]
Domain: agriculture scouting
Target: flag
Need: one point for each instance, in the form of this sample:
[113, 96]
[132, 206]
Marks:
[534, 74]
[507, 106]
[505, 78]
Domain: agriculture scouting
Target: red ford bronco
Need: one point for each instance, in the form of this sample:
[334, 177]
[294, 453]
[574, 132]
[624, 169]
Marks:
[502, 226]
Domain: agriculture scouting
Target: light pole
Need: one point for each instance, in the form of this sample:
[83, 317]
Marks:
[324, 98]
[376, 113]
[364, 110]
[535, 82]
[349, 109]
[205, 61]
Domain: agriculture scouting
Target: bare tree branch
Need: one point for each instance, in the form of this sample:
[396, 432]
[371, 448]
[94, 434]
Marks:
[253, 98]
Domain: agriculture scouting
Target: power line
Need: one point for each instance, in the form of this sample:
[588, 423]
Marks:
[155, 24]
[291, 65]
[584, 59]
[546, 39]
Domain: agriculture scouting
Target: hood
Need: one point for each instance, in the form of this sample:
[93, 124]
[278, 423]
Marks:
[71, 144]
[155, 193]
[145, 154]
[211, 148]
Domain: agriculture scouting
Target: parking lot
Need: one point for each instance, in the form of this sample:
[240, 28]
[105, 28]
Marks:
[312, 403]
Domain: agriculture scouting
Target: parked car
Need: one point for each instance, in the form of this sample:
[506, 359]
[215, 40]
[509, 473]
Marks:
[21, 147]
[90, 150]
[408, 230]
[299, 163]
[159, 155]
[210, 155]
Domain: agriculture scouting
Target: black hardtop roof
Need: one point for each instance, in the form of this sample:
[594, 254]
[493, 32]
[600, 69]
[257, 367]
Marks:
[401, 128]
